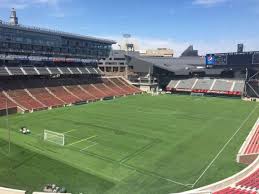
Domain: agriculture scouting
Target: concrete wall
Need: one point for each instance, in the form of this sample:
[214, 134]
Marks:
[12, 110]
[247, 159]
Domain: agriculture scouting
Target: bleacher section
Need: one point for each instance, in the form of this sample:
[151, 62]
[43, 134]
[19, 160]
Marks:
[24, 100]
[208, 86]
[253, 146]
[185, 84]
[203, 84]
[5, 102]
[249, 185]
[231, 190]
[251, 181]
[37, 94]
[14, 71]
[250, 148]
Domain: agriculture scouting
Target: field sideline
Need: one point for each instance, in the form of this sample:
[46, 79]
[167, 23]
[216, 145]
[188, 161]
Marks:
[137, 144]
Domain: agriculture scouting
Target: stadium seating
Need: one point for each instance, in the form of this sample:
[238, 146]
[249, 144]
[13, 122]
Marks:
[249, 185]
[186, 84]
[15, 70]
[24, 99]
[46, 93]
[222, 85]
[114, 87]
[3, 71]
[125, 87]
[253, 146]
[5, 102]
[31, 70]
[94, 91]
[251, 181]
[209, 86]
[129, 87]
[231, 190]
[45, 97]
[64, 95]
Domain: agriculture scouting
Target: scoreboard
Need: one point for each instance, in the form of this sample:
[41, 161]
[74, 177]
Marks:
[233, 59]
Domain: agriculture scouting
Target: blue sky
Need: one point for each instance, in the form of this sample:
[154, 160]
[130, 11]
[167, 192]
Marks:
[210, 25]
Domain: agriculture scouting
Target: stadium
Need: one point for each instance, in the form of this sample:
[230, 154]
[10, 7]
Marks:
[172, 125]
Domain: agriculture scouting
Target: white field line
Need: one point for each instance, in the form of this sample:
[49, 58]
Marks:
[157, 176]
[69, 131]
[89, 169]
[223, 148]
[89, 146]
[85, 139]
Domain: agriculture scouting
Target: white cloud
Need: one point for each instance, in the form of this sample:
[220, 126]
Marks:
[208, 2]
[203, 46]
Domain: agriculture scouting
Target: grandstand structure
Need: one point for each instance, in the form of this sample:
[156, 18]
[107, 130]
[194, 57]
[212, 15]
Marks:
[207, 86]
[250, 149]
[42, 69]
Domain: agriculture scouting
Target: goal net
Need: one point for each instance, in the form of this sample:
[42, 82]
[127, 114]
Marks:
[54, 137]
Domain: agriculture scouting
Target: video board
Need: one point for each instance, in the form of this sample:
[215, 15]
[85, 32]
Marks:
[233, 59]
[216, 59]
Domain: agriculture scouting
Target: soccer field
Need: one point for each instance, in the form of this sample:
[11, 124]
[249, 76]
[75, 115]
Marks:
[137, 144]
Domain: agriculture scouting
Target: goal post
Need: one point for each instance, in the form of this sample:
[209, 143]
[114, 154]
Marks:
[54, 137]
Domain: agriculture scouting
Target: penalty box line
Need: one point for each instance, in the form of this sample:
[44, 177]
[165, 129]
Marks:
[94, 144]
[225, 145]
[155, 175]
[69, 131]
[79, 141]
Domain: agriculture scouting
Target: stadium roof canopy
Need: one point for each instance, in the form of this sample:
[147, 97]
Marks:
[181, 65]
[175, 64]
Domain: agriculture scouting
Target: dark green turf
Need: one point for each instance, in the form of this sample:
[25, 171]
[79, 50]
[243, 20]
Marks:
[138, 144]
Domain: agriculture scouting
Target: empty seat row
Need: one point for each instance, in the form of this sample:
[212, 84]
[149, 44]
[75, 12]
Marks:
[47, 70]
[251, 181]
[253, 145]
[41, 94]
[248, 185]
[217, 86]
[231, 190]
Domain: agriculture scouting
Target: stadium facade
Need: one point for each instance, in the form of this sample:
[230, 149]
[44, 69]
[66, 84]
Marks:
[29, 45]
[41, 68]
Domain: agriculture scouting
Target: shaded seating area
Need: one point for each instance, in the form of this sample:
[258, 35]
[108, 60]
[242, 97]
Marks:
[36, 94]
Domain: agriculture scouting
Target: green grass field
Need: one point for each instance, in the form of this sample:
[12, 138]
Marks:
[137, 144]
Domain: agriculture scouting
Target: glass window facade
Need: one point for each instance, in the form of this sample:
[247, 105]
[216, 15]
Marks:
[24, 40]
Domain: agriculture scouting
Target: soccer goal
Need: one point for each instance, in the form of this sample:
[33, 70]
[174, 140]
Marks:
[54, 137]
